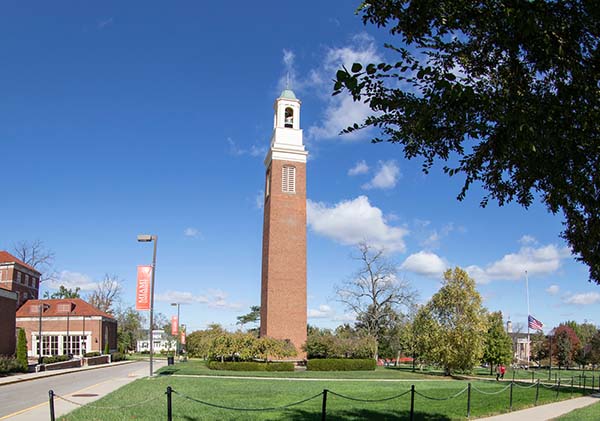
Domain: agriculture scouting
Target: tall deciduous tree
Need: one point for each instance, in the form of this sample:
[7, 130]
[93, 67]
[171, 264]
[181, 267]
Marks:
[107, 294]
[498, 345]
[64, 292]
[375, 294]
[129, 325]
[453, 324]
[35, 254]
[504, 92]
[566, 344]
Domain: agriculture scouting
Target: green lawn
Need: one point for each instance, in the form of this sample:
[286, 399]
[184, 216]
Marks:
[589, 413]
[149, 397]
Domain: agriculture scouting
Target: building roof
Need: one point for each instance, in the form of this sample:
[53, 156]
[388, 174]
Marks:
[60, 307]
[288, 94]
[6, 257]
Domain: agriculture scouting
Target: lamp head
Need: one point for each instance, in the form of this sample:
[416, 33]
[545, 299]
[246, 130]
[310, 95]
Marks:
[144, 238]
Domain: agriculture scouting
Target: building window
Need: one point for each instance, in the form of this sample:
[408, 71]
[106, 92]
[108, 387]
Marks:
[288, 179]
[268, 185]
[18, 276]
[26, 279]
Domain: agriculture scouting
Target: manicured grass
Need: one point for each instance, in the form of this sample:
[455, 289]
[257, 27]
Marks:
[589, 413]
[486, 398]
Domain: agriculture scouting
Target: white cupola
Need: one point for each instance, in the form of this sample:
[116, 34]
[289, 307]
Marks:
[286, 141]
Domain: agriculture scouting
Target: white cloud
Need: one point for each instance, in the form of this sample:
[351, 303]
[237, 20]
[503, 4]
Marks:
[103, 23]
[183, 297]
[434, 237]
[583, 299]
[218, 299]
[259, 199]
[527, 240]
[191, 232]
[553, 289]
[386, 176]
[425, 263]
[324, 311]
[352, 221]
[72, 280]
[253, 150]
[361, 167]
[536, 261]
[341, 111]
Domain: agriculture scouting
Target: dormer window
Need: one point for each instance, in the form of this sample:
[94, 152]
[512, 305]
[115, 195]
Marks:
[289, 117]
[288, 179]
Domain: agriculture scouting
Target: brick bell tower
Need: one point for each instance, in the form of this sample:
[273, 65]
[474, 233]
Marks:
[283, 291]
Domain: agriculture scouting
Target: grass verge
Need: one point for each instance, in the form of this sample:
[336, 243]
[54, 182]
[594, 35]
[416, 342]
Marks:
[589, 413]
[439, 400]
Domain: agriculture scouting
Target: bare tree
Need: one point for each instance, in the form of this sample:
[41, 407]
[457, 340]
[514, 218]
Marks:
[375, 294]
[35, 254]
[107, 293]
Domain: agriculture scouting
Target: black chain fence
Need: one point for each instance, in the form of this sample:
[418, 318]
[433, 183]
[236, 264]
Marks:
[469, 389]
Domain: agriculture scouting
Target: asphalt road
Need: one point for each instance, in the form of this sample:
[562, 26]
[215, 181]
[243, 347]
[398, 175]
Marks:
[21, 396]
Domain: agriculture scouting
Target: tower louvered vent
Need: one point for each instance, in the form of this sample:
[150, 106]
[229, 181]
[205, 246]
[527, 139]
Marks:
[288, 180]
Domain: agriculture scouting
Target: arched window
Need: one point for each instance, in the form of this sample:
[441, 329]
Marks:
[288, 179]
[289, 117]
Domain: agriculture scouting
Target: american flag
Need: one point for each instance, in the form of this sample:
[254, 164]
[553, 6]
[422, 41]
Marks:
[535, 323]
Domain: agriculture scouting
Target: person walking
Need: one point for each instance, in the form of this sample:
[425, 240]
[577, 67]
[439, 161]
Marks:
[502, 371]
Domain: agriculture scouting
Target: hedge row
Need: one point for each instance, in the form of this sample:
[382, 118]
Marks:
[250, 366]
[117, 356]
[10, 365]
[341, 364]
[55, 359]
[92, 354]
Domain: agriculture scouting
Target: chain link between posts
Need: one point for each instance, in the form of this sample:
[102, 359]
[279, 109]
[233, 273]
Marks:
[108, 407]
[369, 400]
[274, 408]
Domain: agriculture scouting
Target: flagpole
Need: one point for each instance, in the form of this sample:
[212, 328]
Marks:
[528, 315]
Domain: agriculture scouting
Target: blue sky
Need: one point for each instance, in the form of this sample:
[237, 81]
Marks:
[120, 118]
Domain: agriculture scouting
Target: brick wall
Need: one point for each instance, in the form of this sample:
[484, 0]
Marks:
[283, 292]
[8, 307]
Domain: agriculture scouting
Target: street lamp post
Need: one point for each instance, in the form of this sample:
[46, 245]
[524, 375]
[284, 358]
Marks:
[550, 335]
[146, 238]
[43, 307]
[178, 324]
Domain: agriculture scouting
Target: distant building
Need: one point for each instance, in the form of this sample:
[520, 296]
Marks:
[520, 345]
[68, 326]
[8, 307]
[161, 342]
[17, 276]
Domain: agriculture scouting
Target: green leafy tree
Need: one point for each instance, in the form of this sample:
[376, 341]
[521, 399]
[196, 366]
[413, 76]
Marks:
[539, 347]
[565, 346]
[199, 342]
[129, 325]
[594, 349]
[455, 324]
[63, 292]
[504, 93]
[252, 317]
[498, 345]
[22, 350]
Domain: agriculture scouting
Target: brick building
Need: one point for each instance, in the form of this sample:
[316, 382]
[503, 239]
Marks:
[68, 326]
[283, 292]
[17, 276]
[8, 307]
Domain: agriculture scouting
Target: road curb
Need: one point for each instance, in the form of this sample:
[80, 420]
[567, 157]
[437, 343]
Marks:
[60, 373]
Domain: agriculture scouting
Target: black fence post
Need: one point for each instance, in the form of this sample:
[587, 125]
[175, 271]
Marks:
[571, 387]
[412, 402]
[324, 406]
[557, 388]
[51, 404]
[537, 392]
[513, 375]
[584, 385]
[468, 400]
[169, 404]
[511, 393]
[532, 376]
[593, 383]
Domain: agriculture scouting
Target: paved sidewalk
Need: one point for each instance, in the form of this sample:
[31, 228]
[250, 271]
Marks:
[17, 378]
[547, 412]
[82, 396]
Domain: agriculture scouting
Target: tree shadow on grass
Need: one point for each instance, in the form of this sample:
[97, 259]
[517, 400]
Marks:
[356, 414]
[168, 371]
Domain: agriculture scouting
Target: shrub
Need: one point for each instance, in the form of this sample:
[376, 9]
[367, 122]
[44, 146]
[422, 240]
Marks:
[9, 365]
[341, 364]
[91, 354]
[55, 359]
[22, 350]
[117, 356]
[250, 366]
[106, 350]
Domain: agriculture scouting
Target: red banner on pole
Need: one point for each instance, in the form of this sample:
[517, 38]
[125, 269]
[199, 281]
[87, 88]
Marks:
[174, 326]
[183, 337]
[142, 295]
